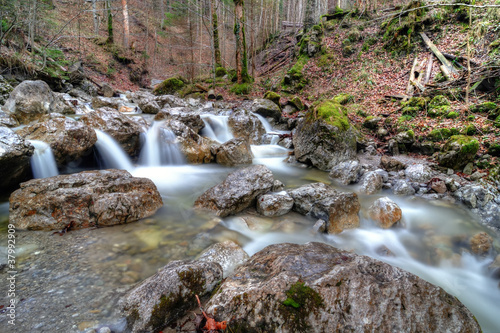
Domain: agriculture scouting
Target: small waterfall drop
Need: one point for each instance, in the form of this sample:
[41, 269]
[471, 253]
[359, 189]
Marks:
[43, 163]
[216, 128]
[160, 147]
[112, 154]
[265, 123]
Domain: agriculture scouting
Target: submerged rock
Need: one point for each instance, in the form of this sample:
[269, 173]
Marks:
[317, 288]
[327, 140]
[385, 212]
[166, 296]
[236, 151]
[320, 201]
[228, 255]
[274, 204]
[121, 127]
[15, 154]
[68, 139]
[237, 192]
[481, 244]
[85, 199]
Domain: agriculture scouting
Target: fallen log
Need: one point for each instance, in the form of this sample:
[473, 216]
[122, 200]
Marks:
[460, 58]
[446, 63]
[409, 88]
[429, 71]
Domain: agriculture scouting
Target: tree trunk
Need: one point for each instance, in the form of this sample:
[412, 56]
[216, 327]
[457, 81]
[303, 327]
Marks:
[241, 52]
[309, 14]
[96, 19]
[110, 39]
[126, 27]
[215, 33]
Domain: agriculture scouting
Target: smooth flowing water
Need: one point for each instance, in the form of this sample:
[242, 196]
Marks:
[72, 282]
[216, 128]
[112, 156]
[43, 163]
[160, 147]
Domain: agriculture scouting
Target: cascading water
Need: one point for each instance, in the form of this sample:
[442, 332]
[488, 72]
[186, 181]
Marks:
[216, 128]
[160, 147]
[43, 163]
[264, 122]
[112, 154]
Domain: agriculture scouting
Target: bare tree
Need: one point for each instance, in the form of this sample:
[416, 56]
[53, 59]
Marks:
[126, 27]
[241, 52]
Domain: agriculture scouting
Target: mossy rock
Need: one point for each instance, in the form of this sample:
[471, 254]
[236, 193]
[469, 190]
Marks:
[470, 129]
[170, 86]
[452, 115]
[438, 111]
[410, 111]
[297, 102]
[485, 107]
[348, 50]
[271, 95]
[333, 113]
[417, 102]
[241, 89]
[458, 151]
[440, 134]
[220, 71]
[439, 100]
[294, 79]
[343, 98]
[494, 149]
[354, 35]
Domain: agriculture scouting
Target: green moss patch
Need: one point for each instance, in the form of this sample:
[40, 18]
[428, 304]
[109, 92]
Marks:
[333, 114]
[220, 71]
[241, 89]
[301, 301]
[271, 95]
[343, 99]
[170, 86]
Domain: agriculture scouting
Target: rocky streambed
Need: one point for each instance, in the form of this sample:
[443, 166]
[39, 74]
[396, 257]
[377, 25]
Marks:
[372, 242]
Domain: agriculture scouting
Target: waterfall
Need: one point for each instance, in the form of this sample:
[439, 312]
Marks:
[216, 128]
[265, 123]
[160, 147]
[43, 163]
[112, 154]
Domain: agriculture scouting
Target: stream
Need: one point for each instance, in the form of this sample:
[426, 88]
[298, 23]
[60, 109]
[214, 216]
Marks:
[72, 283]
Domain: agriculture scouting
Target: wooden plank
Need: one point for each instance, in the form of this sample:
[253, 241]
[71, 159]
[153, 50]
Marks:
[446, 72]
[439, 55]
[409, 88]
[429, 71]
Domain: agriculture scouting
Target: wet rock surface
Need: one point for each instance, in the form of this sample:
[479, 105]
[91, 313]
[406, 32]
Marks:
[247, 126]
[323, 145]
[167, 295]
[385, 212]
[237, 192]
[266, 108]
[228, 255]
[234, 152]
[83, 200]
[121, 127]
[69, 140]
[317, 288]
[348, 172]
[15, 156]
[372, 183]
[274, 204]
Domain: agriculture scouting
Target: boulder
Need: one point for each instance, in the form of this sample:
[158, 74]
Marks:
[193, 121]
[327, 140]
[320, 201]
[107, 91]
[149, 106]
[266, 108]
[228, 255]
[245, 125]
[372, 183]
[274, 204]
[391, 164]
[69, 140]
[7, 120]
[195, 148]
[348, 172]
[458, 151]
[234, 152]
[110, 102]
[166, 296]
[15, 154]
[85, 199]
[237, 192]
[419, 173]
[385, 212]
[402, 187]
[121, 127]
[31, 100]
[317, 288]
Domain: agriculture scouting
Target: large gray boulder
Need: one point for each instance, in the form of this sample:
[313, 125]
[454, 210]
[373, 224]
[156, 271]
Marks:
[237, 192]
[193, 121]
[419, 173]
[266, 108]
[339, 209]
[348, 172]
[31, 100]
[15, 154]
[322, 144]
[236, 151]
[317, 288]
[69, 140]
[166, 296]
[85, 199]
[122, 128]
[372, 183]
[245, 125]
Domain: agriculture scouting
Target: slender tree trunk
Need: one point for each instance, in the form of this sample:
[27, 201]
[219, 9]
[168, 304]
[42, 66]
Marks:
[96, 19]
[241, 52]
[32, 25]
[110, 39]
[309, 15]
[126, 27]
[215, 34]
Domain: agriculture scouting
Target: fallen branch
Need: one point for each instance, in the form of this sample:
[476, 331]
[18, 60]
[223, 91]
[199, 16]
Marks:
[439, 55]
